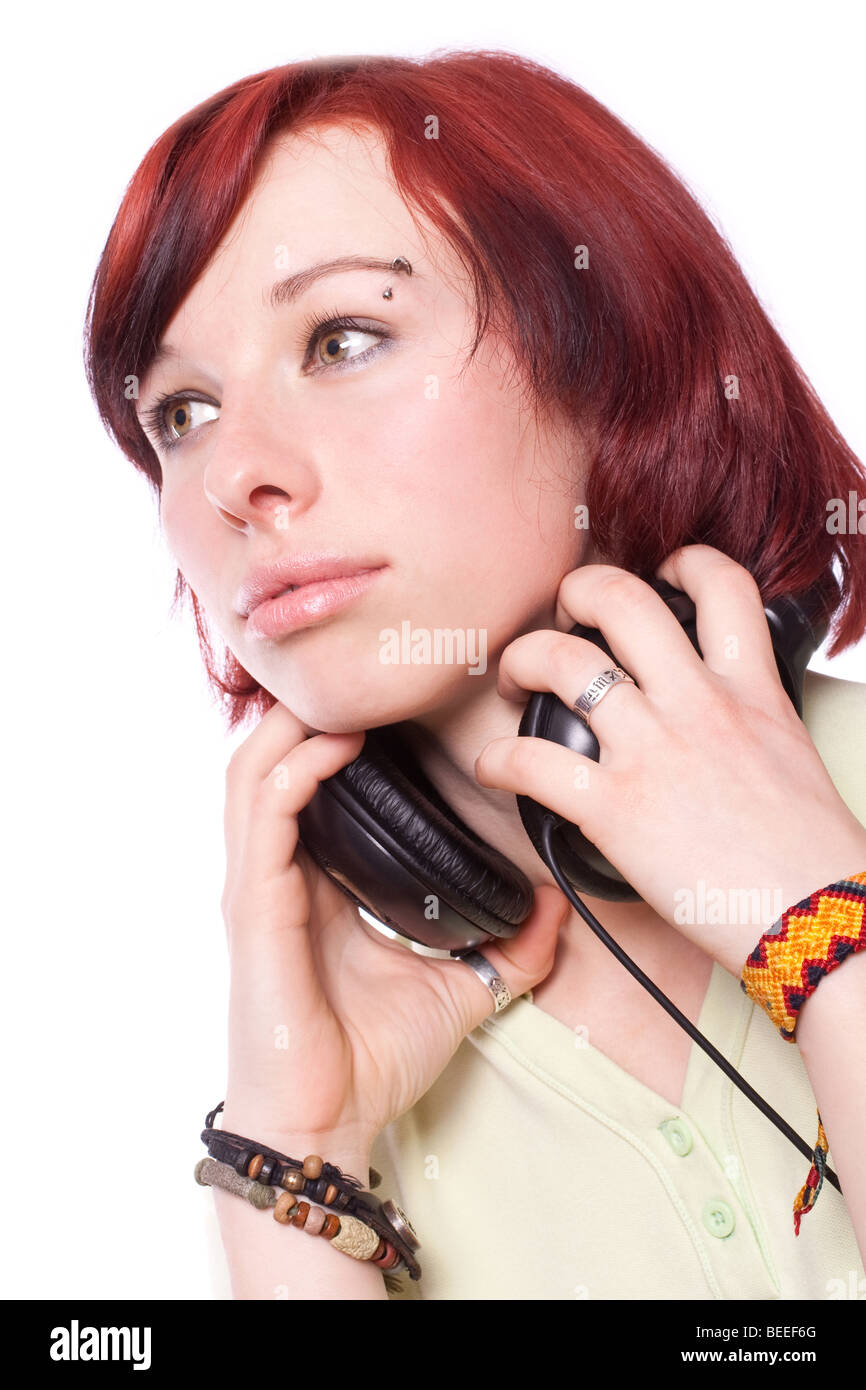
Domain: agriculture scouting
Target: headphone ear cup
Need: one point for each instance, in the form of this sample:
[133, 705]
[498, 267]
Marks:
[796, 632]
[381, 831]
[585, 867]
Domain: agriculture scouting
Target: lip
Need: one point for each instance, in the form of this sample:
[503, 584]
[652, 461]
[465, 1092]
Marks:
[308, 604]
[267, 581]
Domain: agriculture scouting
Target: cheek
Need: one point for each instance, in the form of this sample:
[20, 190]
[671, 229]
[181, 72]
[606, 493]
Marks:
[475, 515]
[472, 487]
[184, 528]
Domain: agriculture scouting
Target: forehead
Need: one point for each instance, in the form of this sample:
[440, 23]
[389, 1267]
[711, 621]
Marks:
[320, 193]
[348, 166]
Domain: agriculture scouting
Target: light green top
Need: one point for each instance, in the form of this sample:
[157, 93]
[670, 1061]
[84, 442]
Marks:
[535, 1167]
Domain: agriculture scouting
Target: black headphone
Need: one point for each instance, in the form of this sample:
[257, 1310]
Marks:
[381, 831]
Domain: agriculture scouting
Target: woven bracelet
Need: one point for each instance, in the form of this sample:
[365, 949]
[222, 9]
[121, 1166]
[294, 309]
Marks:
[788, 964]
[322, 1182]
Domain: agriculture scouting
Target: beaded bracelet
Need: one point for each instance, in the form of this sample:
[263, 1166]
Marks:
[792, 957]
[326, 1184]
[345, 1233]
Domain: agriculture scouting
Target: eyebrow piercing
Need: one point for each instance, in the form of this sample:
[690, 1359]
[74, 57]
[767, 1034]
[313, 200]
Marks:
[399, 263]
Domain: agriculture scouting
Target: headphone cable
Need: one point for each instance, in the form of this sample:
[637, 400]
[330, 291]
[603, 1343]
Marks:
[671, 1008]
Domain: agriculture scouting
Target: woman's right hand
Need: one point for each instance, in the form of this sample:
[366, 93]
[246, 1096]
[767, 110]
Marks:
[332, 1033]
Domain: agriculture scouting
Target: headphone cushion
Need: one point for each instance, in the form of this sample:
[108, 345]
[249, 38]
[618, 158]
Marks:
[439, 847]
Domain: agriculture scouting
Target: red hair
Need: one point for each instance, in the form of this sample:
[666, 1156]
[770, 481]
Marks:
[646, 340]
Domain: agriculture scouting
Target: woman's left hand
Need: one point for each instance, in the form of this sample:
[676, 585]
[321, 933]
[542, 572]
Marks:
[708, 789]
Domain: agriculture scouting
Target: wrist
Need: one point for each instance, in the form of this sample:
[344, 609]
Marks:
[810, 941]
[345, 1147]
[733, 943]
[835, 1009]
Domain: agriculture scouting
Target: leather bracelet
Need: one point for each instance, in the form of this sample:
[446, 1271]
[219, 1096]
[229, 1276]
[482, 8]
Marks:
[345, 1233]
[322, 1182]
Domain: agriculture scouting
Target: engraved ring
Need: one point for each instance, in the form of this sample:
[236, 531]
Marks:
[491, 978]
[597, 689]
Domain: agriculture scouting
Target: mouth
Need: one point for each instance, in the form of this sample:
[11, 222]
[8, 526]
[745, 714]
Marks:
[303, 605]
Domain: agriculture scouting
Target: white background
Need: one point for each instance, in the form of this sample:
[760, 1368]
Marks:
[114, 977]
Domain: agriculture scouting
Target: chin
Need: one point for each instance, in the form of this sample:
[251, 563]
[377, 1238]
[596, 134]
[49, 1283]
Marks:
[347, 705]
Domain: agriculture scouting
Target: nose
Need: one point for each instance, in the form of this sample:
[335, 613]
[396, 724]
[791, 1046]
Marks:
[258, 474]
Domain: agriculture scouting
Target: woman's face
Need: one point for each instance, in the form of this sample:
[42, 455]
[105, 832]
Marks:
[370, 448]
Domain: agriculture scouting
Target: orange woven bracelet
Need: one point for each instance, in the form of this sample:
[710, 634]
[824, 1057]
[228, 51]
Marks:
[787, 965]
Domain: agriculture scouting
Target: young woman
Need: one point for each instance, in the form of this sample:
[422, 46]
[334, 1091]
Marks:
[449, 330]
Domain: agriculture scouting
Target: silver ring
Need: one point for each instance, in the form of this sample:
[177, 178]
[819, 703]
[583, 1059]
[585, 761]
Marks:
[492, 979]
[597, 689]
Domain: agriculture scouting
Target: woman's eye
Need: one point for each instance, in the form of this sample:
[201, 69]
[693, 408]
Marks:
[331, 346]
[179, 415]
[172, 417]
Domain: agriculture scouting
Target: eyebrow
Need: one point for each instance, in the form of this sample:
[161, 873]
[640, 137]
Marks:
[286, 291]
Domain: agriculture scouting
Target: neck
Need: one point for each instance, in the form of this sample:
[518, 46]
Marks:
[446, 743]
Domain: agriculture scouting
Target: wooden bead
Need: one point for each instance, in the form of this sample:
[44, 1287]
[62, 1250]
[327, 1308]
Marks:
[255, 1166]
[331, 1227]
[312, 1166]
[330, 1193]
[299, 1217]
[389, 1259]
[283, 1206]
[293, 1181]
[315, 1221]
[267, 1170]
[380, 1250]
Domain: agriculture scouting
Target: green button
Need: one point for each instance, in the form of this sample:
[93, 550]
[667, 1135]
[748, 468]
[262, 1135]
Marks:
[718, 1217]
[678, 1135]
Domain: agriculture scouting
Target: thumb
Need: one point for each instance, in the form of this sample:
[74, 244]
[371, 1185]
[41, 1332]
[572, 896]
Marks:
[524, 960]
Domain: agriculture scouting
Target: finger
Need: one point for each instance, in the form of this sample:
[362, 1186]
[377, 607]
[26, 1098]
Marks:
[271, 833]
[640, 629]
[275, 979]
[276, 733]
[732, 628]
[522, 961]
[569, 784]
[274, 971]
[565, 665]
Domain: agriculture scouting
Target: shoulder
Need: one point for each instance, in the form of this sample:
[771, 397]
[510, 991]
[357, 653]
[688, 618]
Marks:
[834, 712]
[835, 708]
